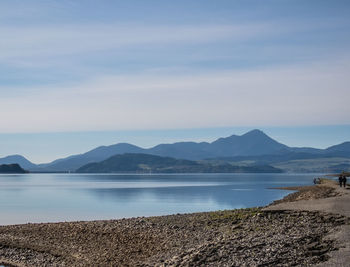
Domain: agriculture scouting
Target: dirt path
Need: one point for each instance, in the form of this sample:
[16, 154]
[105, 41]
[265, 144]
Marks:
[336, 202]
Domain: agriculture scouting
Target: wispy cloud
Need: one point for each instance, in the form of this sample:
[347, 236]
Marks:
[44, 54]
[312, 94]
[21, 43]
[18, 42]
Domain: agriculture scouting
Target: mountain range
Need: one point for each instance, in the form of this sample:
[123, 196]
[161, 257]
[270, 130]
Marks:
[255, 147]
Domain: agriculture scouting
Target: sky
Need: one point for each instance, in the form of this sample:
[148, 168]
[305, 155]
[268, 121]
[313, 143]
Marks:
[76, 74]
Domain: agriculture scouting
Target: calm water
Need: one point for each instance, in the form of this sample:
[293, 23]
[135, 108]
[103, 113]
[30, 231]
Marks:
[68, 197]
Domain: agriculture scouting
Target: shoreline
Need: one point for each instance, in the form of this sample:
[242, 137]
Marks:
[268, 235]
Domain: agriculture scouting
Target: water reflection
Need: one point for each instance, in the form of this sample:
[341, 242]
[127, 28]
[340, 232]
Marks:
[61, 197]
[222, 195]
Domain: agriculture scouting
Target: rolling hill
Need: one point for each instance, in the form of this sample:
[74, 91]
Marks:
[145, 163]
[11, 168]
[18, 159]
[98, 154]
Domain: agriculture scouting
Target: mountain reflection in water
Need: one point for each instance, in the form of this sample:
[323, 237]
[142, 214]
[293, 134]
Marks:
[66, 197]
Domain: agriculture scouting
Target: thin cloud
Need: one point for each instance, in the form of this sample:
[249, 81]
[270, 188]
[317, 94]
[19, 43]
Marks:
[44, 41]
[300, 95]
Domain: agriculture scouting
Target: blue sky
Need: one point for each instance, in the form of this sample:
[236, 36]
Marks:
[77, 74]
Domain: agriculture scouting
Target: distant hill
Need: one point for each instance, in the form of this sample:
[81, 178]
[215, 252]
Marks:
[11, 168]
[343, 148]
[182, 150]
[312, 165]
[98, 154]
[22, 161]
[275, 158]
[145, 163]
[255, 147]
[252, 143]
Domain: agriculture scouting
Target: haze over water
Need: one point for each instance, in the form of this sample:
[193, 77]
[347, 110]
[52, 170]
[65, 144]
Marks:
[71, 197]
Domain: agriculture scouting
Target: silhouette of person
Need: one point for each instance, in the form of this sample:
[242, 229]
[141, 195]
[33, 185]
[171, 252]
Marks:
[340, 180]
[344, 181]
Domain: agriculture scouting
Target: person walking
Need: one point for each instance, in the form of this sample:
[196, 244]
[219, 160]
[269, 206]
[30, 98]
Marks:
[340, 179]
[344, 181]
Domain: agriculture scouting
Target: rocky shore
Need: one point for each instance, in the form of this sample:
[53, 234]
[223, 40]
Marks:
[246, 237]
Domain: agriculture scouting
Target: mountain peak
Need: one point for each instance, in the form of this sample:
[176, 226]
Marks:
[255, 132]
[14, 156]
[254, 142]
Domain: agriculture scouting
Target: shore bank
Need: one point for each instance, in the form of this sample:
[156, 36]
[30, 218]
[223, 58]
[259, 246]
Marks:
[337, 202]
[271, 236]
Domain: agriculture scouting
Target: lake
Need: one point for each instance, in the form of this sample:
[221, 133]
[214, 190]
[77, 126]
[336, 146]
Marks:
[71, 197]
